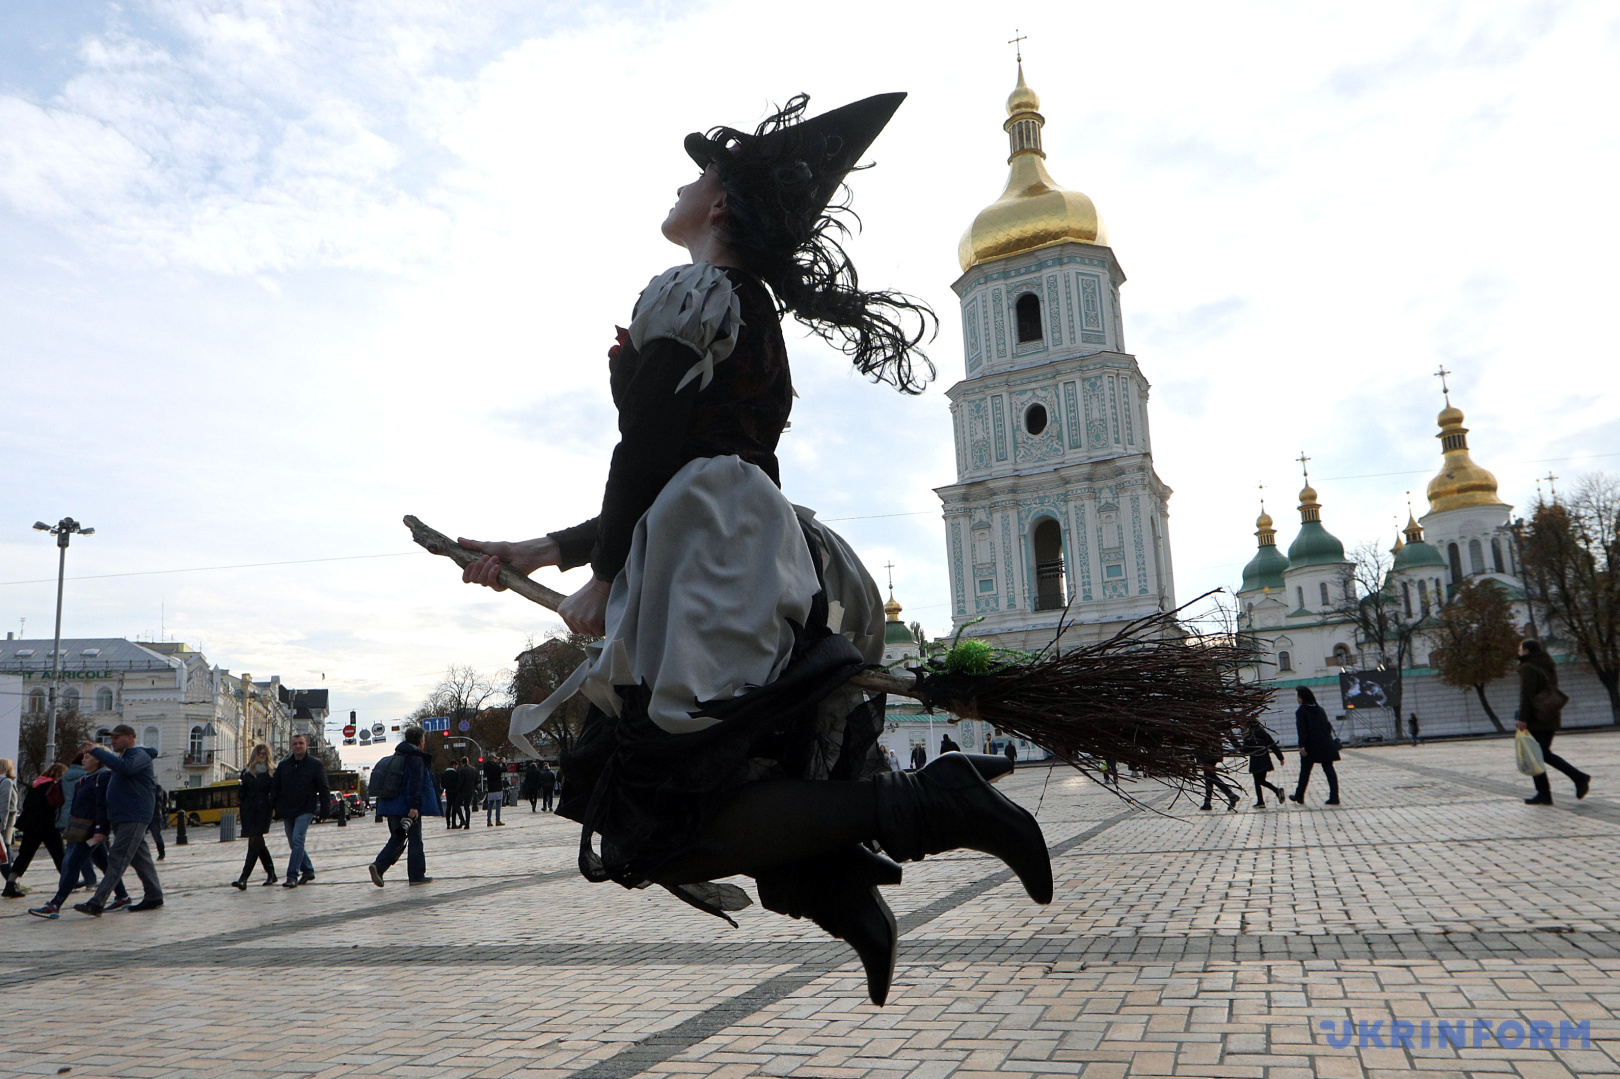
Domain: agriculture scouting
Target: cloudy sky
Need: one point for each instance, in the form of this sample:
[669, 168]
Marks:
[273, 274]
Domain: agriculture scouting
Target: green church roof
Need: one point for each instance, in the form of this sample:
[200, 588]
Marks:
[897, 633]
[1265, 569]
[1314, 546]
[1415, 555]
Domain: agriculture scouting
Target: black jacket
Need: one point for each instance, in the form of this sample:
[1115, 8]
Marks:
[1316, 738]
[469, 781]
[1536, 673]
[450, 781]
[255, 808]
[299, 787]
[493, 783]
[1260, 745]
[547, 779]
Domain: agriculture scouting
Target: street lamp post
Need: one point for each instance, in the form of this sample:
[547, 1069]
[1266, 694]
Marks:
[65, 528]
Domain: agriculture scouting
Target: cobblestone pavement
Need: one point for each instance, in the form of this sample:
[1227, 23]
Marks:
[1180, 943]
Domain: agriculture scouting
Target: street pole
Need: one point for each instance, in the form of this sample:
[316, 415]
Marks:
[63, 532]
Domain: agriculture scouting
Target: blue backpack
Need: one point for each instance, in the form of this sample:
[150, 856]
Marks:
[388, 777]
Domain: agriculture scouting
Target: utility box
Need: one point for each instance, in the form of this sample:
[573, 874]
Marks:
[227, 827]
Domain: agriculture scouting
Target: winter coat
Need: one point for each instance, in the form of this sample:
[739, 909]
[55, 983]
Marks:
[10, 803]
[468, 789]
[86, 802]
[494, 783]
[70, 787]
[1260, 745]
[101, 780]
[132, 790]
[255, 809]
[531, 782]
[420, 792]
[299, 787]
[1317, 743]
[38, 816]
[547, 780]
[1536, 673]
[450, 780]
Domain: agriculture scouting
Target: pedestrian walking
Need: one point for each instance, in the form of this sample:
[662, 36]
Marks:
[413, 796]
[1260, 746]
[469, 790]
[494, 792]
[1541, 705]
[1011, 752]
[450, 784]
[947, 744]
[126, 816]
[255, 811]
[919, 756]
[160, 814]
[76, 771]
[1212, 780]
[82, 838]
[1412, 726]
[296, 793]
[1318, 745]
[10, 805]
[531, 785]
[547, 781]
[36, 827]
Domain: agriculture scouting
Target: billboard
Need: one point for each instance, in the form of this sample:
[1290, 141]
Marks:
[1370, 689]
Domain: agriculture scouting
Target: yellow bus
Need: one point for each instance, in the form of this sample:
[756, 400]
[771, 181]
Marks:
[204, 805]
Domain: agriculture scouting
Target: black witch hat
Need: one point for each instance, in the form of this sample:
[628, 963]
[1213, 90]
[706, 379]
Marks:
[798, 163]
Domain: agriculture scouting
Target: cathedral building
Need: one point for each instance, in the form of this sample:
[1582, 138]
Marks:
[1056, 503]
[1291, 606]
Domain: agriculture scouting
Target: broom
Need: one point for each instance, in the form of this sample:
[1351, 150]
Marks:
[1153, 697]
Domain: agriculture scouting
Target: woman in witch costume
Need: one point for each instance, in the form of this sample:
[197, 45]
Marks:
[722, 739]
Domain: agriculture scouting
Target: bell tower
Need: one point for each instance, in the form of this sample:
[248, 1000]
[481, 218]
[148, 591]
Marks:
[1055, 501]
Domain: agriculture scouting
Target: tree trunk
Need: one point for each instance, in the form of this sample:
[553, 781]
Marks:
[1612, 684]
[1497, 723]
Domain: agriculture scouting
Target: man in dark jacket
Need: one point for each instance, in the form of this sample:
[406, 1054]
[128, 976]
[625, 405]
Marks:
[1318, 745]
[450, 780]
[1541, 713]
[127, 810]
[297, 793]
[469, 790]
[417, 798]
[548, 785]
[494, 791]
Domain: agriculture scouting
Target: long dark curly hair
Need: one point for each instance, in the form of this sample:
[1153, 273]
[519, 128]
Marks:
[778, 217]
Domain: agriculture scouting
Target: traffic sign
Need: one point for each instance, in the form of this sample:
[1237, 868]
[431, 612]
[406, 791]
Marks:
[464, 726]
[348, 732]
[436, 723]
[378, 728]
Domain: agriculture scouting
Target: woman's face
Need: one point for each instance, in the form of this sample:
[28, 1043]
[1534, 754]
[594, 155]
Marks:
[694, 214]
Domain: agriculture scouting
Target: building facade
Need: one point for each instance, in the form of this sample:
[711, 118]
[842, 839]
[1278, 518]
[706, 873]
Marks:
[1292, 607]
[1056, 503]
[202, 720]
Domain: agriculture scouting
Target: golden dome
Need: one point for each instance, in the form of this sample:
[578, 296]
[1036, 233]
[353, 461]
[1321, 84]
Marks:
[1307, 495]
[1263, 522]
[1033, 211]
[1461, 483]
[892, 608]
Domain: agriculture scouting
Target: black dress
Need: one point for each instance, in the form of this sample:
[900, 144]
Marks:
[646, 785]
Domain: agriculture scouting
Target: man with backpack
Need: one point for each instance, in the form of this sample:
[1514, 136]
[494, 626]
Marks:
[405, 793]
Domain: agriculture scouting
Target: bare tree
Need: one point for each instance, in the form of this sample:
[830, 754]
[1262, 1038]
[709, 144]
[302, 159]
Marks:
[1571, 562]
[540, 670]
[71, 729]
[1474, 639]
[459, 695]
[1369, 602]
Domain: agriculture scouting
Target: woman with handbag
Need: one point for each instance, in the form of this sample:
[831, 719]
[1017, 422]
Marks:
[81, 838]
[255, 813]
[1317, 745]
[37, 823]
[1541, 704]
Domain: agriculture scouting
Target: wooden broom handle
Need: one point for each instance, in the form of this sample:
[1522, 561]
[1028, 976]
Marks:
[436, 542]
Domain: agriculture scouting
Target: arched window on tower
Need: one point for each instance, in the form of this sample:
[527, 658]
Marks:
[1476, 557]
[1496, 555]
[1322, 585]
[1299, 596]
[1284, 662]
[1423, 597]
[1047, 541]
[1406, 597]
[1455, 557]
[1028, 310]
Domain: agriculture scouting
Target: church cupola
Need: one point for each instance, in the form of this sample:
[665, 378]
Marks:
[1265, 569]
[1033, 211]
[1315, 545]
[1461, 483]
[1415, 553]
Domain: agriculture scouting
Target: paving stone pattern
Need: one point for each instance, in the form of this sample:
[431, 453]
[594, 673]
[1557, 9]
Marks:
[1180, 943]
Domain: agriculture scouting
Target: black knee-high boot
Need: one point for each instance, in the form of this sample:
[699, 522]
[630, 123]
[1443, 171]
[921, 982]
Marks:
[839, 893]
[948, 805]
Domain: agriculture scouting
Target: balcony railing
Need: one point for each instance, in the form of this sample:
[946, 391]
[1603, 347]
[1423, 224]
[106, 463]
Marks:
[200, 758]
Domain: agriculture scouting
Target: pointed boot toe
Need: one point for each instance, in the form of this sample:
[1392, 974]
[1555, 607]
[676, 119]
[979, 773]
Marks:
[868, 926]
[838, 892]
[949, 806]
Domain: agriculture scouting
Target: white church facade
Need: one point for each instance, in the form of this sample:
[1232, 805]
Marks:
[1056, 502]
[1289, 607]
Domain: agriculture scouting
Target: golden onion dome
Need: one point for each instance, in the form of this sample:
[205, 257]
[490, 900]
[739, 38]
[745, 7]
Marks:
[1263, 522]
[892, 608]
[1033, 211]
[1461, 483]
